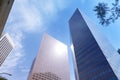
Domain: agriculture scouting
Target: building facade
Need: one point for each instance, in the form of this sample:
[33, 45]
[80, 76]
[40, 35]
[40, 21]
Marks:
[89, 56]
[5, 7]
[51, 62]
[6, 46]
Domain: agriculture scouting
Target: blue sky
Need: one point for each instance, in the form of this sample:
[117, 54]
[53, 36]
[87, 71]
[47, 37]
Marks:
[29, 19]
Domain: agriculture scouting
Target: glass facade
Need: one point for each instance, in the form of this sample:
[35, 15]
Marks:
[45, 76]
[6, 46]
[90, 60]
[52, 61]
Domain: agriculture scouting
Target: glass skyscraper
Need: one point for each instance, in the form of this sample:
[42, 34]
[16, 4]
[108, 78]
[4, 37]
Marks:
[52, 62]
[89, 56]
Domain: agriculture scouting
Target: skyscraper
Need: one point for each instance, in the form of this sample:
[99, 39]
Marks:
[90, 55]
[6, 45]
[5, 7]
[51, 62]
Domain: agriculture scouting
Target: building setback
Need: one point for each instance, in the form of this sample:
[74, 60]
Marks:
[5, 7]
[6, 45]
[90, 61]
[51, 62]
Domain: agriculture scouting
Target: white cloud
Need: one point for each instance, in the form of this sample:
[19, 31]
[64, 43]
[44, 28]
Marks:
[53, 6]
[49, 7]
[34, 16]
[31, 18]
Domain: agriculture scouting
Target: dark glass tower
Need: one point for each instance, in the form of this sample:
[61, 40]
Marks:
[5, 7]
[90, 61]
